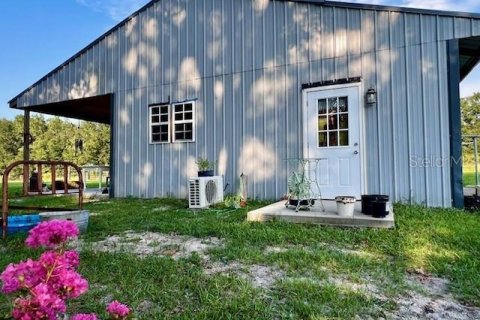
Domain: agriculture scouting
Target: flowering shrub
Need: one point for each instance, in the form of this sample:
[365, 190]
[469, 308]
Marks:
[43, 287]
[118, 310]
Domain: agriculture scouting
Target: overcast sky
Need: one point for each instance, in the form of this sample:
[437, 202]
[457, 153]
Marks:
[38, 36]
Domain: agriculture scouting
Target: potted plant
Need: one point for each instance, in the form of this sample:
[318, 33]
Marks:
[205, 167]
[299, 189]
[345, 205]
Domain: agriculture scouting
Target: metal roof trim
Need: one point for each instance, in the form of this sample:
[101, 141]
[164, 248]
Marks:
[377, 7]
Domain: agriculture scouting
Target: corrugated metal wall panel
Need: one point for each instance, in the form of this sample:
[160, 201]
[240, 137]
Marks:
[412, 32]
[446, 29]
[354, 23]
[444, 121]
[463, 27]
[475, 27]
[245, 62]
[428, 28]
[400, 125]
[416, 128]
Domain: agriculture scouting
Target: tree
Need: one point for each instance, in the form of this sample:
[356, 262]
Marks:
[53, 143]
[10, 143]
[96, 143]
[54, 139]
[470, 124]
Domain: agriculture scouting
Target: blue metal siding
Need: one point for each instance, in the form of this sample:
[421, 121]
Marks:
[245, 62]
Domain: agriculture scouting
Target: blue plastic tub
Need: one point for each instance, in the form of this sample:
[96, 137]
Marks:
[23, 223]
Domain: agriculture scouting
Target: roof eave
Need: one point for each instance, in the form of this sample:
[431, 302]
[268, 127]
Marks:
[454, 14]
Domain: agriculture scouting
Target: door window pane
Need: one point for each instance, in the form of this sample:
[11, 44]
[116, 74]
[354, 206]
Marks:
[343, 121]
[322, 139]
[322, 106]
[343, 104]
[343, 138]
[322, 123]
[332, 122]
[332, 105]
[333, 139]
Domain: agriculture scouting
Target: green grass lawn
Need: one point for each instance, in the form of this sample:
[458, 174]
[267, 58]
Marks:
[443, 242]
[15, 187]
[469, 178]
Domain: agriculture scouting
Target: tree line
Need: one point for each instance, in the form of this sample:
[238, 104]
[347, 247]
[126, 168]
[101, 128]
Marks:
[470, 125]
[54, 139]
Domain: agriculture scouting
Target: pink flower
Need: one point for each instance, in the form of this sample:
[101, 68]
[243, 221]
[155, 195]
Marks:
[84, 316]
[48, 300]
[41, 304]
[72, 259]
[48, 259]
[70, 284]
[25, 275]
[118, 310]
[51, 234]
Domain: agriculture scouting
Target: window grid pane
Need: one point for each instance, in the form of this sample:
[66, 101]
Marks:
[333, 122]
[183, 121]
[159, 124]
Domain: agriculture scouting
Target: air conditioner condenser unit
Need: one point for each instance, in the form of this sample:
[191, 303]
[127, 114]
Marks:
[204, 191]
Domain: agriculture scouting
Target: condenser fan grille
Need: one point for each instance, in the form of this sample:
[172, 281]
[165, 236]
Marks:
[211, 191]
[194, 193]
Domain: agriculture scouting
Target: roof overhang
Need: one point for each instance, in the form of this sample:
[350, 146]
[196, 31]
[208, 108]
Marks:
[94, 109]
[469, 55]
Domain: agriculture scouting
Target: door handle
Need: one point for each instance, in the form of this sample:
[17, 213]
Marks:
[355, 152]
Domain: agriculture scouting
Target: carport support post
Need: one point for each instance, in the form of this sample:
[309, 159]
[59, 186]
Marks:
[455, 123]
[26, 150]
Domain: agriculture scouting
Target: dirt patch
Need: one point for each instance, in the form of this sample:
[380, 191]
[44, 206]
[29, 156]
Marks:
[368, 287]
[259, 276]
[430, 299]
[150, 243]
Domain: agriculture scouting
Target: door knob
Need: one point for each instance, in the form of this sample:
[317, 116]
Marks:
[356, 152]
[355, 144]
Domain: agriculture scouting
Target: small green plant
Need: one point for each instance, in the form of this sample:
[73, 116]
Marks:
[204, 164]
[233, 201]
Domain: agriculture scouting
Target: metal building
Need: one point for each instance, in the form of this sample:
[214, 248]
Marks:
[251, 83]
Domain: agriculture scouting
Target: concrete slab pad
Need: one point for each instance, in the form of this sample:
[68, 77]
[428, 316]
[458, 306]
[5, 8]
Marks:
[278, 211]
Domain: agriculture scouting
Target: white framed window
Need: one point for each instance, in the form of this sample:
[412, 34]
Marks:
[159, 123]
[183, 122]
[172, 122]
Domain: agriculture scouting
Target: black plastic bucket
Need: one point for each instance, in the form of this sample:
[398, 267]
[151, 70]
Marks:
[379, 208]
[367, 202]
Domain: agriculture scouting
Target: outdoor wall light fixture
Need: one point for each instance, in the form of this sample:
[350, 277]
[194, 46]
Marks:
[371, 96]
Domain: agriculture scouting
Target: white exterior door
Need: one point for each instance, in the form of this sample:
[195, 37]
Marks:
[332, 133]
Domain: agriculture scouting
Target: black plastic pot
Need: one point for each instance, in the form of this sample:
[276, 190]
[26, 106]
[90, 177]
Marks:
[294, 202]
[472, 203]
[206, 173]
[367, 202]
[379, 209]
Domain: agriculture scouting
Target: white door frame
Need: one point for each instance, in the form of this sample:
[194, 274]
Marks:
[361, 113]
